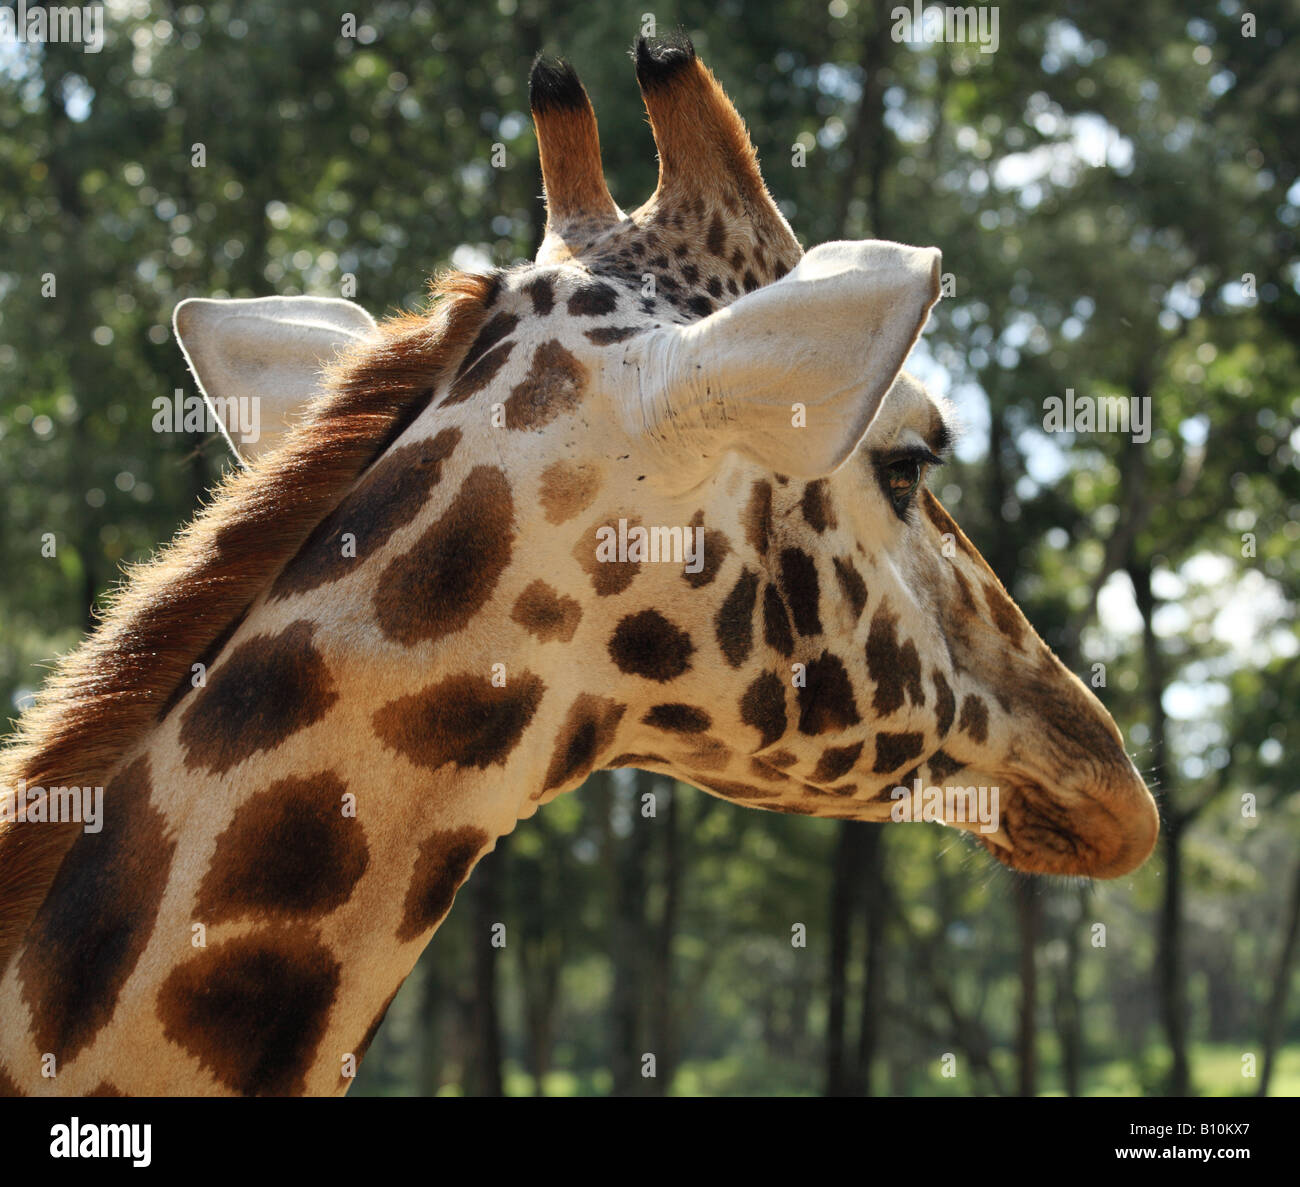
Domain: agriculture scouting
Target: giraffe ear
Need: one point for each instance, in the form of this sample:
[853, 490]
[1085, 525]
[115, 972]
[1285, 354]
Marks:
[791, 374]
[258, 362]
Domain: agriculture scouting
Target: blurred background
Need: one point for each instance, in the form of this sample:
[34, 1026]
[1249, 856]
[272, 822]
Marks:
[1115, 193]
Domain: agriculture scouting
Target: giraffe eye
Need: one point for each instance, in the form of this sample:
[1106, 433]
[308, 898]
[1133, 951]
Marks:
[901, 475]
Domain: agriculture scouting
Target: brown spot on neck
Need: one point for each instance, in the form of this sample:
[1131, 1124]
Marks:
[96, 920]
[254, 1009]
[588, 731]
[567, 489]
[546, 614]
[463, 719]
[270, 688]
[441, 867]
[555, 385]
[448, 575]
[290, 850]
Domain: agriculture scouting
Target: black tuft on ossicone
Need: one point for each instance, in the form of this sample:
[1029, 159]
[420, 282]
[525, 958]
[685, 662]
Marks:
[554, 85]
[658, 61]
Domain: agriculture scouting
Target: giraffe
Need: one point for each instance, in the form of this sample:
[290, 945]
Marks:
[392, 634]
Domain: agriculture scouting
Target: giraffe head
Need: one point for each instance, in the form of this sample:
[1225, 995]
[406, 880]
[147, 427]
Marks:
[690, 511]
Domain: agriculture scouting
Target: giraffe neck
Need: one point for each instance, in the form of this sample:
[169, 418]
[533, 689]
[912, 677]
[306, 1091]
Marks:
[278, 849]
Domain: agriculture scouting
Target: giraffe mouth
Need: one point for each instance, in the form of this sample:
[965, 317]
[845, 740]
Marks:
[1096, 836]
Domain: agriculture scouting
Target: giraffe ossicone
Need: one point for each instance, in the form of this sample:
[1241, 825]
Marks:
[409, 639]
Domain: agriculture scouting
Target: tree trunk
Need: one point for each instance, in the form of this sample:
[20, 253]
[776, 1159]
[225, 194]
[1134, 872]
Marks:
[873, 966]
[845, 881]
[1028, 911]
[663, 1035]
[1066, 1005]
[628, 938]
[1275, 1015]
[432, 998]
[1173, 1003]
[868, 139]
[483, 1073]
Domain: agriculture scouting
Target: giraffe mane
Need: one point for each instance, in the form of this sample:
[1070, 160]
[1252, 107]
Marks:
[180, 605]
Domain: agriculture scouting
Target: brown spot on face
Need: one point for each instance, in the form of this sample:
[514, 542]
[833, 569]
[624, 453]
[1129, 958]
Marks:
[253, 1010]
[647, 644]
[758, 517]
[1005, 615]
[555, 385]
[542, 294]
[593, 299]
[636, 760]
[479, 376]
[780, 758]
[441, 867]
[817, 508]
[896, 750]
[387, 498]
[678, 719]
[851, 585]
[741, 791]
[105, 1088]
[97, 917]
[896, 670]
[289, 850]
[463, 719]
[799, 584]
[266, 691]
[593, 550]
[709, 755]
[945, 704]
[568, 488]
[587, 731]
[974, 718]
[836, 762]
[776, 623]
[943, 765]
[764, 770]
[9, 1087]
[735, 619]
[608, 335]
[763, 707]
[716, 548]
[826, 701]
[964, 595]
[546, 614]
[443, 581]
[944, 522]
